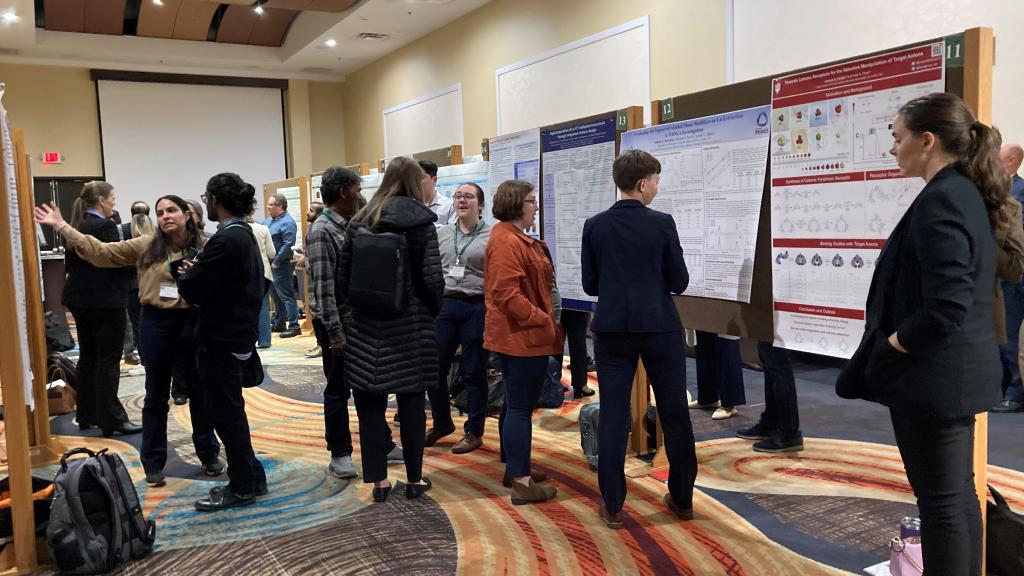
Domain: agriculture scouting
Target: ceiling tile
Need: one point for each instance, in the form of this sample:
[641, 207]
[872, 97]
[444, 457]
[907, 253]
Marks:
[65, 15]
[237, 24]
[193, 21]
[156, 21]
[271, 27]
[104, 17]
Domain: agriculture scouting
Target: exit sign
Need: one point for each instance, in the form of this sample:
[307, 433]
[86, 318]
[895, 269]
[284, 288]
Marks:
[52, 158]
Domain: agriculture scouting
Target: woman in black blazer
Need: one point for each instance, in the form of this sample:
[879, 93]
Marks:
[929, 351]
[97, 299]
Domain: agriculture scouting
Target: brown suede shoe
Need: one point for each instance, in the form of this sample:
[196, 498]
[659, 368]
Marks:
[535, 476]
[468, 443]
[433, 435]
[613, 521]
[680, 512]
[532, 493]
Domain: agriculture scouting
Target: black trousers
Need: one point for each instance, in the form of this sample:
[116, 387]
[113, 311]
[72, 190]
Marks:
[163, 346]
[221, 375]
[662, 352]
[781, 414]
[719, 370]
[100, 341]
[374, 435]
[461, 323]
[574, 323]
[938, 455]
[336, 395]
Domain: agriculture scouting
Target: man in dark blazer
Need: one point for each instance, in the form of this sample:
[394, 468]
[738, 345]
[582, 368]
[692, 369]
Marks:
[632, 261]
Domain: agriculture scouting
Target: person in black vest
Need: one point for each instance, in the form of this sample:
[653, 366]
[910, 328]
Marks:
[633, 262]
[929, 350]
[226, 282]
[97, 299]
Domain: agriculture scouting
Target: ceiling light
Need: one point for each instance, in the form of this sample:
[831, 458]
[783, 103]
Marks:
[259, 7]
[331, 43]
[9, 16]
[158, 2]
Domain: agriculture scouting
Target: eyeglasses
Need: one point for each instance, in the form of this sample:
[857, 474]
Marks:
[530, 201]
[469, 196]
[202, 197]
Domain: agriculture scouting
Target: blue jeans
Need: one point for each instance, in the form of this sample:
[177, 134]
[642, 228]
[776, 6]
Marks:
[781, 414]
[461, 322]
[264, 325]
[1013, 301]
[523, 377]
[617, 354]
[719, 370]
[284, 296]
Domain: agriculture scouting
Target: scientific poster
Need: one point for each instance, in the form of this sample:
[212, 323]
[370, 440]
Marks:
[837, 193]
[712, 180]
[514, 157]
[576, 184]
[17, 257]
[315, 182]
[296, 211]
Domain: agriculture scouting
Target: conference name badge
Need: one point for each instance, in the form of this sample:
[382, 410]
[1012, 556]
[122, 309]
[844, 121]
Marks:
[169, 290]
[457, 271]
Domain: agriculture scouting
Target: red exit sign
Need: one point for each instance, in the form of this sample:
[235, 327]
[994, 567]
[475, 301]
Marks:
[52, 158]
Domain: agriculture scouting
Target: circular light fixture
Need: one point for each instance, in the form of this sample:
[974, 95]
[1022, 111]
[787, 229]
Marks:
[331, 43]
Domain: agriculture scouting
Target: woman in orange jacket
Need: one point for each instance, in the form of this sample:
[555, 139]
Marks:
[519, 327]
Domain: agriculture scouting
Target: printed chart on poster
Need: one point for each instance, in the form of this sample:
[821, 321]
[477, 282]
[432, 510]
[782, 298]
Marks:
[449, 178]
[712, 180]
[315, 182]
[514, 157]
[17, 256]
[576, 184]
[837, 192]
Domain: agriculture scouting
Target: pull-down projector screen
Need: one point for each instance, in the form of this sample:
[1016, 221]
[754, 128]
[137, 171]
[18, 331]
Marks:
[171, 138]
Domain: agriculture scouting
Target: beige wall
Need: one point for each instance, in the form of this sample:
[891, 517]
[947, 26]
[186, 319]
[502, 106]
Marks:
[687, 55]
[57, 109]
[327, 125]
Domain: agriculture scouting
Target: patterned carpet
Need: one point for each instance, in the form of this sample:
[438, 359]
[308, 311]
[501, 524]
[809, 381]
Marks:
[827, 510]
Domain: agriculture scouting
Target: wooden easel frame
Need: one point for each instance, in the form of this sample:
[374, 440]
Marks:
[303, 184]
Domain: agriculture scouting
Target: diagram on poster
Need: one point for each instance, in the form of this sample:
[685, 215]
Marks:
[712, 180]
[576, 184]
[514, 157]
[837, 192]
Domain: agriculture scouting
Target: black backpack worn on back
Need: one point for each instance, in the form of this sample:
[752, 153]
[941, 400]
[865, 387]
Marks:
[378, 271]
[96, 521]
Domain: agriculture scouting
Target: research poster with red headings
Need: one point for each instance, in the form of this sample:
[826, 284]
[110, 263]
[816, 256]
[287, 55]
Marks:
[837, 192]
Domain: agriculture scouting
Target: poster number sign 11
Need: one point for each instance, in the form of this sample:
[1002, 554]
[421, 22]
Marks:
[837, 192]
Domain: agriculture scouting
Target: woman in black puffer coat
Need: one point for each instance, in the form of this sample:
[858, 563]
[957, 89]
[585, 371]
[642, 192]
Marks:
[395, 353]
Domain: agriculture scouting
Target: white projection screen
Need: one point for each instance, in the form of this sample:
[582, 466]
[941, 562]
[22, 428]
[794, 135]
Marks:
[171, 138]
[607, 71]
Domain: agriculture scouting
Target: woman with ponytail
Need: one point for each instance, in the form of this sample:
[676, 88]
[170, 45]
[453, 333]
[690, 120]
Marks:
[97, 298]
[166, 345]
[929, 351]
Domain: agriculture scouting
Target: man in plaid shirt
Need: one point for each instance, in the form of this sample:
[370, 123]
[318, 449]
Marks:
[340, 189]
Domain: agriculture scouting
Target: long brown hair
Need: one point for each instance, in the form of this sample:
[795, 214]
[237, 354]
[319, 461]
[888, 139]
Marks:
[88, 198]
[402, 178]
[974, 144]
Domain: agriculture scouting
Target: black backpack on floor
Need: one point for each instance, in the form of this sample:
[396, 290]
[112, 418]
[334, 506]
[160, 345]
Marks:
[96, 521]
[590, 421]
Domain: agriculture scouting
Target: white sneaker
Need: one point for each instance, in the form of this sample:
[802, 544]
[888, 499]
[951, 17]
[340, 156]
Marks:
[724, 412]
[695, 405]
[342, 467]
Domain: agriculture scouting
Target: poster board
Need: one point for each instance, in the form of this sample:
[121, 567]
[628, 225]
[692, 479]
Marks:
[511, 157]
[297, 192]
[712, 179]
[576, 183]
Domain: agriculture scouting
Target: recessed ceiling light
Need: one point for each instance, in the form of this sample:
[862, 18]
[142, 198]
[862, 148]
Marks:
[331, 43]
[10, 17]
[259, 7]
[158, 2]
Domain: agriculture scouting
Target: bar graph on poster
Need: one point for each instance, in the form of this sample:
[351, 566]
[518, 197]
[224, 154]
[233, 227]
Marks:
[837, 192]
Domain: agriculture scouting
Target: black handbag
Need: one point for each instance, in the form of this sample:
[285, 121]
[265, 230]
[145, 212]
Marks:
[252, 371]
[1005, 546]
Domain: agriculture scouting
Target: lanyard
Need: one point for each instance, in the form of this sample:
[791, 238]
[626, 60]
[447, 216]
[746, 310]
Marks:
[472, 236]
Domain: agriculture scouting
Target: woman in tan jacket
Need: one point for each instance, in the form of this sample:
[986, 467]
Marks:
[165, 336]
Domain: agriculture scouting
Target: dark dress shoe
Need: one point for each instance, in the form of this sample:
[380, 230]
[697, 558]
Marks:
[416, 490]
[435, 434]
[381, 494]
[180, 399]
[83, 426]
[290, 333]
[222, 498]
[610, 519]
[122, 429]
[583, 392]
[214, 467]
[679, 511]
[277, 328]
[535, 476]
[261, 489]
[132, 358]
